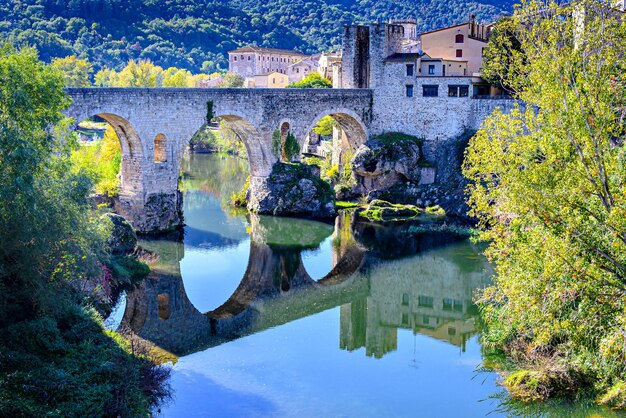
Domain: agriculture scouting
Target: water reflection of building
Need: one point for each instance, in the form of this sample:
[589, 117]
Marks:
[430, 294]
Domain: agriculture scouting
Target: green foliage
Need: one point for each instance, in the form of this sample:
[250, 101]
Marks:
[504, 59]
[240, 199]
[55, 359]
[222, 140]
[231, 80]
[101, 162]
[77, 72]
[291, 148]
[209, 111]
[195, 35]
[70, 367]
[144, 73]
[312, 81]
[325, 126]
[548, 186]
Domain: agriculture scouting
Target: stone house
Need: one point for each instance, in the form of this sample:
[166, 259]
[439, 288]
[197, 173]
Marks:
[253, 60]
[300, 69]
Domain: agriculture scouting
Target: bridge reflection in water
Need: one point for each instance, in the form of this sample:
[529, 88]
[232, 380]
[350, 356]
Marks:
[383, 278]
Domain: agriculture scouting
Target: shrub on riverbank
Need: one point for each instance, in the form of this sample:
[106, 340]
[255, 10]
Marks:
[101, 162]
[548, 187]
[55, 358]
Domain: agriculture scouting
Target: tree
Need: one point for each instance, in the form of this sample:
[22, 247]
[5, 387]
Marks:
[312, 81]
[76, 71]
[548, 186]
[41, 205]
[504, 61]
[51, 243]
[231, 80]
[141, 73]
[325, 126]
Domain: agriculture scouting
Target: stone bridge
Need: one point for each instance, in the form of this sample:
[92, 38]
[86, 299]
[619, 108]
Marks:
[155, 126]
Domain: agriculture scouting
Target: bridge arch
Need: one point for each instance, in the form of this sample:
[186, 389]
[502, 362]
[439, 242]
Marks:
[260, 156]
[352, 125]
[133, 152]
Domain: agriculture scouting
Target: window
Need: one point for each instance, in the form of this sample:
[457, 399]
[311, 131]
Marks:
[431, 70]
[459, 53]
[234, 58]
[458, 91]
[425, 320]
[409, 90]
[459, 38]
[405, 319]
[425, 301]
[430, 91]
[248, 57]
[409, 70]
[453, 305]
[405, 299]
[273, 80]
[242, 57]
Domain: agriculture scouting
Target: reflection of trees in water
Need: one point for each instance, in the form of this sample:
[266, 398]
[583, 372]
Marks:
[429, 292]
[216, 175]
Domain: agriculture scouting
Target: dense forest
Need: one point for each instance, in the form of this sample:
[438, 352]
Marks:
[196, 34]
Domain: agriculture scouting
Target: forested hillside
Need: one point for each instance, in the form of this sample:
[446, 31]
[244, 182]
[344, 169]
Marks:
[195, 34]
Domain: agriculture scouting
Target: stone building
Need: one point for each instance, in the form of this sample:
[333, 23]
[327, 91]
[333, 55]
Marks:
[253, 60]
[464, 42]
[300, 69]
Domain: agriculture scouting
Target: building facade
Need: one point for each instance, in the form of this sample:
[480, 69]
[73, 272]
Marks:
[253, 60]
[465, 42]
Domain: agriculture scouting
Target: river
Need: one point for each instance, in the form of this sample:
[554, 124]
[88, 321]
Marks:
[278, 317]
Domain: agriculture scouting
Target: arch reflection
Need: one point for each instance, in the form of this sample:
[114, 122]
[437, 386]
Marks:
[379, 288]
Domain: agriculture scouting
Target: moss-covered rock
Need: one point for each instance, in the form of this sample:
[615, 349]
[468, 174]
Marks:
[292, 189]
[379, 210]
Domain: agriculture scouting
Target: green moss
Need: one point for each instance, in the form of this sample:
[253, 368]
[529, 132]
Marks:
[379, 210]
[128, 269]
[346, 205]
[435, 210]
[395, 137]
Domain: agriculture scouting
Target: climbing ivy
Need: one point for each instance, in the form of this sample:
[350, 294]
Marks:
[209, 111]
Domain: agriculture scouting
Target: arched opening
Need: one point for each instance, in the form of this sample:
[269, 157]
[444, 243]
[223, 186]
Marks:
[331, 142]
[111, 154]
[160, 149]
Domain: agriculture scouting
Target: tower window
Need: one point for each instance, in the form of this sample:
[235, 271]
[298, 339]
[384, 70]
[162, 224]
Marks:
[459, 38]
[409, 90]
[431, 70]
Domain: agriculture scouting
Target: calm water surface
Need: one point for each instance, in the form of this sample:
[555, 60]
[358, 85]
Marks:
[276, 317]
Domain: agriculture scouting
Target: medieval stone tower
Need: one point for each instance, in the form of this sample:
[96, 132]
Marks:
[364, 51]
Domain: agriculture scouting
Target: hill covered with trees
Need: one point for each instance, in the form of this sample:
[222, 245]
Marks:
[196, 34]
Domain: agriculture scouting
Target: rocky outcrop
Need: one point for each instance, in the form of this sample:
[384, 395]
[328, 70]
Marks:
[291, 189]
[388, 160]
[394, 167]
[161, 212]
[123, 238]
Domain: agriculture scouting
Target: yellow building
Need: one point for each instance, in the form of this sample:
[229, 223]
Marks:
[462, 43]
[273, 80]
